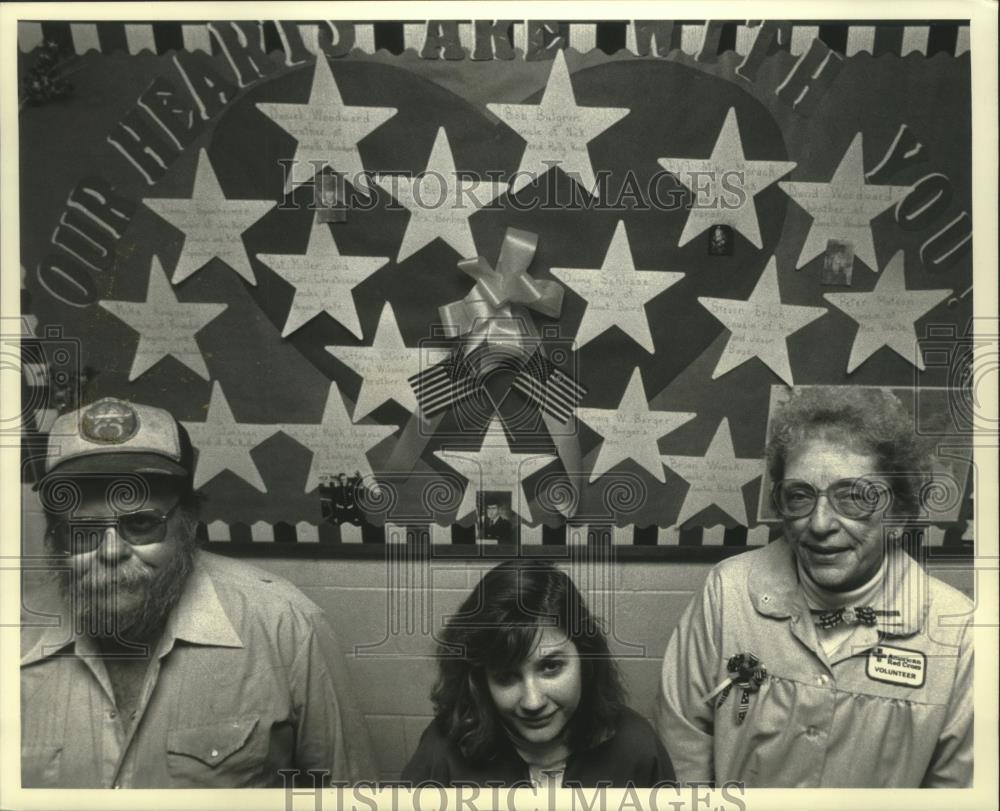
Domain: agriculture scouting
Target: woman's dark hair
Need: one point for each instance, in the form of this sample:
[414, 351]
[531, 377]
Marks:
[869, 421]
[496, 628]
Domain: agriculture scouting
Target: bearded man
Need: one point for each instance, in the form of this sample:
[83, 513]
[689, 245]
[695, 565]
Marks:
[168, 667]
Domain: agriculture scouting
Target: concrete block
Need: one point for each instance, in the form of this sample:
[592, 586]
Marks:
[642, 680]
[644, 619]
[388, 741]
[393, 687]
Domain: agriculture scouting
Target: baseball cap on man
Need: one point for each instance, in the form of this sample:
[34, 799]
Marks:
[116, 436]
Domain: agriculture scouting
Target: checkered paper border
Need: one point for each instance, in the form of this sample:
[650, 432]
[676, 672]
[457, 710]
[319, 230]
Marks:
[574, 535]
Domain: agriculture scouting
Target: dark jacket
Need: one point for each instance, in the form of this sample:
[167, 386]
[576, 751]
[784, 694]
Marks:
[632, 756]
[499, 530]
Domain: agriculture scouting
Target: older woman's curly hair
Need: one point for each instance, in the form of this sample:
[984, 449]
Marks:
[868, 421]
[497, 628]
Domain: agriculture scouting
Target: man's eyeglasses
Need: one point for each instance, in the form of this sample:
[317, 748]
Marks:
[84, 534]
[851, 498]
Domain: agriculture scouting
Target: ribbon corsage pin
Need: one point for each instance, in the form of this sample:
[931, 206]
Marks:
[744, 671]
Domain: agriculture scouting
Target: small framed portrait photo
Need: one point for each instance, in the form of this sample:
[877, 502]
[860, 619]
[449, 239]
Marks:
[838, 263]
[329, 200]
[720, 240]
[495, 521]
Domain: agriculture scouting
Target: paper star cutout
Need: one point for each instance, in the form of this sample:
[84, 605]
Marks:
[557, 130]
[439, 205]
[760, 326]
[327, 130]
[165, 325]
[616, 293]
[843, 208]
[385, 367]
[887, 315]
[323, 280]
[494, 467]
[631, 430]
[716, 478]
[212, 224]
[338, 445]
[224, 444]
[712, 181]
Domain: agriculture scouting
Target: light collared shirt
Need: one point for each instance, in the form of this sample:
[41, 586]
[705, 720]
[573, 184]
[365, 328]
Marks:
[892, 708]
[246, 680]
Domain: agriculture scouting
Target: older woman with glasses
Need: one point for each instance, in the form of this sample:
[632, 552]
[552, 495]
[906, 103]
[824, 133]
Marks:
[830, 657]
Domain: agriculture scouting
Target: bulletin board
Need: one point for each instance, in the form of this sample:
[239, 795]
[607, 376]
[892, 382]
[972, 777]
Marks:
[487, 287]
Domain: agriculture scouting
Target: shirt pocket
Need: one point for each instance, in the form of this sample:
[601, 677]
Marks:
[40, 765]
[225, 754]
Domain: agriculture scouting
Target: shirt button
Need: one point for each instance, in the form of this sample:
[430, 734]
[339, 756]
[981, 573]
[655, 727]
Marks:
[112, 714]
[822, 679]
[215, 753]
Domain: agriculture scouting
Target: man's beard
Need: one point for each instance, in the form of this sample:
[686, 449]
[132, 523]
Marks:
[128, 603]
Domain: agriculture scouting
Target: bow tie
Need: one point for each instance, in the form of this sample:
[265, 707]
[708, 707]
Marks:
[859, 615]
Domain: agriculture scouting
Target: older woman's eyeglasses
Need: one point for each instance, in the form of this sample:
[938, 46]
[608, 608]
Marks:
[86, 534]
[851, 498]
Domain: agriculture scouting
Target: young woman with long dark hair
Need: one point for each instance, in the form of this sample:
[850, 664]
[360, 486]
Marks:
[528, 693]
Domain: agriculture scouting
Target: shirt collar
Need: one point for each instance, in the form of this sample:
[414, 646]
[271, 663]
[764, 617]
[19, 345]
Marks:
[773, 583]
[198, 618]
[59, 634]
[775, 592]
[511, 750]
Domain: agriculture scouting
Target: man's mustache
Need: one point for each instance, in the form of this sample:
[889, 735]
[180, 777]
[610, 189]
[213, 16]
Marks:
[130, 577]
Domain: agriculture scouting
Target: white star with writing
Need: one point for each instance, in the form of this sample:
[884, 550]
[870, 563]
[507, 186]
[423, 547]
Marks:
[631, 431]
[327, 130]
[224, 444]
[212, 224]
[165, 325]
[439, 203]
[616, 293]
[338, 445]
[717, 478]
[385, 366]
[725, 185]
[843, 208]
[323, 279]
[887, 315]
[557, 130]
[494, 467]
[760, 326]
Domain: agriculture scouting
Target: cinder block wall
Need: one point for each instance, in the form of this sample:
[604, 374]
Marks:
[386, 619]
[385, 616]
[386, 613]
